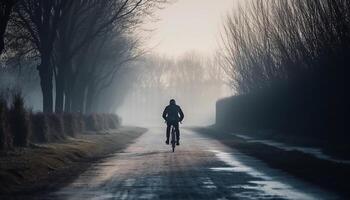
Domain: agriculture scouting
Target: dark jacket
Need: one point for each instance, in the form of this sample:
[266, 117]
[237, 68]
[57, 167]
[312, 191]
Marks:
[173, 113]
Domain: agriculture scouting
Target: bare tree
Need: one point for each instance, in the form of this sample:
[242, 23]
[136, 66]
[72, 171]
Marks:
[281, 40]
[99, 30]
[40, 19]
[6, 7]
[60, 32]
[292, 55]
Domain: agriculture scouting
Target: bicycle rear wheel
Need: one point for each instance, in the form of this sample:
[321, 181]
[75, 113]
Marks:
[173, 138]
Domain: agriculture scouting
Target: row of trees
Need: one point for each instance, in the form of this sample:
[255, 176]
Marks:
[78, 46]
[267, 41]
[287, 60]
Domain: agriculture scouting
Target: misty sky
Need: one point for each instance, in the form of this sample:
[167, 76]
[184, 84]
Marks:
[188, 25]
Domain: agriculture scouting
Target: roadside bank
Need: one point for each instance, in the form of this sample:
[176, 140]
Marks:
[46, 167]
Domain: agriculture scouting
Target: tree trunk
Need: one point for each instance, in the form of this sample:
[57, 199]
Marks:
[61, 79]
[90, 98]
[68, 89]
[45, 74]
[59, 94]
[68, 102]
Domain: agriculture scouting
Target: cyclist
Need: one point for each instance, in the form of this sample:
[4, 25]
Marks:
[173, 114]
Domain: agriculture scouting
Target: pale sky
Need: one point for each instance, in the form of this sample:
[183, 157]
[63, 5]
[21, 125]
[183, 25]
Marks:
[188, 25]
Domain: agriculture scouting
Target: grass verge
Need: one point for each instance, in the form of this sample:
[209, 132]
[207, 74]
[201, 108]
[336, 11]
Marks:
[46, 167]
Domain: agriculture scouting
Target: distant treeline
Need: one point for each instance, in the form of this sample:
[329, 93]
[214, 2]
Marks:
[286, 60]
[188, 78]
[19, 127]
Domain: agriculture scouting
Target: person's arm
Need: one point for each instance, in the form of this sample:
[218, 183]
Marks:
[181, 114]
[165, 112]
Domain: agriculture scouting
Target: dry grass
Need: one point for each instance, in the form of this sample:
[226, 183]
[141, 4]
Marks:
[31, 168]
[19, 127]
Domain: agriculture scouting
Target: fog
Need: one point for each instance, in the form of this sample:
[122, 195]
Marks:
[188, 25]
[194, 81]
[132, 68]
[181, 65]
[23, 79]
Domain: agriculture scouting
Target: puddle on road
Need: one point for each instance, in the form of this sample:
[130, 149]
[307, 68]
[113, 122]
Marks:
[235, 165]
[265, 188]
[308, 150]
[207, 183]
[223, 169]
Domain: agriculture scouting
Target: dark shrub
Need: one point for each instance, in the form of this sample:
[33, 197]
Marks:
[72, 124]
[80, 122]
[287, 109]
[5, 136]
[103, 121]
[56, 127]
[97, 122]
[19, 122]
[92, 122]
[40, 128]
[113, 121]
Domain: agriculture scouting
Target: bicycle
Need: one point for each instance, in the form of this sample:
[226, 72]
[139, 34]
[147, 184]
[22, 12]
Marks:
[173, 138]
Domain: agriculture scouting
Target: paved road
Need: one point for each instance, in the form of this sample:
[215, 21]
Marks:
[201, 168]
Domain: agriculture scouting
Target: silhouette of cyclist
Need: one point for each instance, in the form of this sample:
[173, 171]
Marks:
[173, 114]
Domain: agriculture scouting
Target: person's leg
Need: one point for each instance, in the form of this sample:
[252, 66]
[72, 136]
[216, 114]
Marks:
[177, 130]
[167, 132]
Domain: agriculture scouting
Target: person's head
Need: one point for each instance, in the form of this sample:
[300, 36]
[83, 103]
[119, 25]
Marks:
[172, 102]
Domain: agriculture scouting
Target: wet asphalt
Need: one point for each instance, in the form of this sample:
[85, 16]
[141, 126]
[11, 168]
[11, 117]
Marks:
[200, 168]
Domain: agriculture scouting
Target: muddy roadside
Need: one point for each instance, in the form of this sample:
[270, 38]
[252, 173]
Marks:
[328, 175]
[47, 167]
